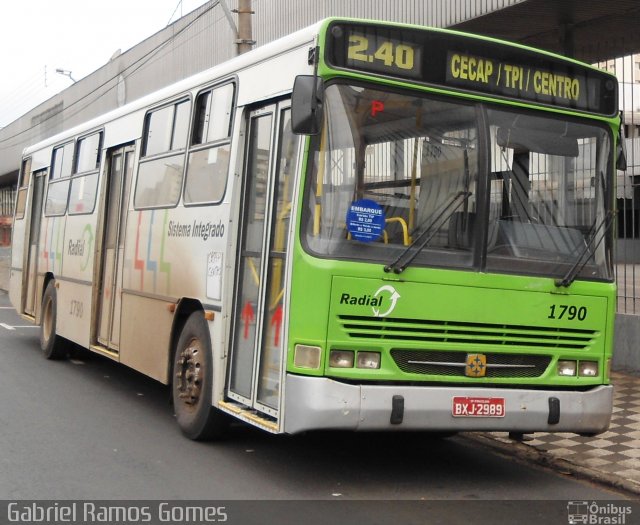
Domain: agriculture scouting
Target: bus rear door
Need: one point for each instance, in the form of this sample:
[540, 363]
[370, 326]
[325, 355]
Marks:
[119, 170]
[32, 236]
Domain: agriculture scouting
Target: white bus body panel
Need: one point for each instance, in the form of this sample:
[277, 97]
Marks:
[146, 329]
[169, 254]
[74, 312]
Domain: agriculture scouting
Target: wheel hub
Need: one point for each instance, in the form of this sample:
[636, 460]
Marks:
[189, 374]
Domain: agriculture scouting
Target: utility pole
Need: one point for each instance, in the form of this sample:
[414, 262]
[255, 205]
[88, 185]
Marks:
[245, 40]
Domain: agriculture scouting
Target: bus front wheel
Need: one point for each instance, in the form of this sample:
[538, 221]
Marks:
[192, 382]
[52, 345]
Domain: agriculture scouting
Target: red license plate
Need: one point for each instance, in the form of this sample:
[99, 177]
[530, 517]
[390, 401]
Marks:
[478, 407]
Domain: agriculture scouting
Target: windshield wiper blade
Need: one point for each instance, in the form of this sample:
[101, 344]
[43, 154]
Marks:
[587, 251]
[447, 211]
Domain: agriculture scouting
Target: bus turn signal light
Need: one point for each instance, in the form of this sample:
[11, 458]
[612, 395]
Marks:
[306, 356]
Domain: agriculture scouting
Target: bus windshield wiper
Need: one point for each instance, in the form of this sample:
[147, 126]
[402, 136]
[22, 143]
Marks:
[588, 250]
[428, 233]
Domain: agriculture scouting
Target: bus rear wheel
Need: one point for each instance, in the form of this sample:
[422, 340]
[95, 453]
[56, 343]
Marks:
[53, 346]
[193, 380]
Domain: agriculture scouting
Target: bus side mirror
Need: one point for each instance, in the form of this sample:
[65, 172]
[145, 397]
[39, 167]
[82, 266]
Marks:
[307, 103]
[621, 150]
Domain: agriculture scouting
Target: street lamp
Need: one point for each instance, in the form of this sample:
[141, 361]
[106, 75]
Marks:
[66, 73]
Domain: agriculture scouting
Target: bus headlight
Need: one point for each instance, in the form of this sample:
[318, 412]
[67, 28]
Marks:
[588, 369]
[341, 359]
[305, 356]
[368, 360]
[567, 368]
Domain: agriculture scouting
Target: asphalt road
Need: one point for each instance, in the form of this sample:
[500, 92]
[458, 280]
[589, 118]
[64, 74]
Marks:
[90, 429]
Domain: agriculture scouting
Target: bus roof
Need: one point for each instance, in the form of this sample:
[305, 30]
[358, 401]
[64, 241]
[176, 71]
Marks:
[335, 59]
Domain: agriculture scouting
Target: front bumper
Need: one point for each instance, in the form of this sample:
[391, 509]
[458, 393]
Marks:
[315, 403]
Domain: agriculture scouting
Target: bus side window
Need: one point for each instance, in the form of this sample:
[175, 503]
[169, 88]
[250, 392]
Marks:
[162, 164]
[158, 130]
[84, 182]
[213, 115]
[59, 178]
[23, 186]
[208, 164]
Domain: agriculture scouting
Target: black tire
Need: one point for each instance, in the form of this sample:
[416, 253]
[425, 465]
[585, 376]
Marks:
[52, 345]
[192, 382]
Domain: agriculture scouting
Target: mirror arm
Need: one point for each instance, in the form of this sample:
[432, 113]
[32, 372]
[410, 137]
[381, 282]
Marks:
[314, 55]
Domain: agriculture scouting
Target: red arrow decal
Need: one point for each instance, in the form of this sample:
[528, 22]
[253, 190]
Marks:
[247, 315]
[277, 320]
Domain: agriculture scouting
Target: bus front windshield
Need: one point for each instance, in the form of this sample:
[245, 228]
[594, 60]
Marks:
[455, 184]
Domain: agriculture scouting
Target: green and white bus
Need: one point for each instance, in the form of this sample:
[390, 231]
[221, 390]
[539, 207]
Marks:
[363, 226]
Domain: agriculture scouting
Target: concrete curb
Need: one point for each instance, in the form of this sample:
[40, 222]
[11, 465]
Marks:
[526, 452]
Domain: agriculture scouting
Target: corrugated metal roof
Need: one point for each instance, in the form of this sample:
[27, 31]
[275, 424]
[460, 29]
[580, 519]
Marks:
[590, 30]
[269, 22]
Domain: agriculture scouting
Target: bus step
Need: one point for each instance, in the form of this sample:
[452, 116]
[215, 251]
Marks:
[249, 416]
[28, 317]
[103, 350]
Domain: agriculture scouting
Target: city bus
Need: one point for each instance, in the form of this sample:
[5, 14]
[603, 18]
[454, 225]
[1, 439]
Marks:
[361, 226]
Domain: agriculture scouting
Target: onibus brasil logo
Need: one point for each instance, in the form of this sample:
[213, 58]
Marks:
[594, 513]
[382, 302]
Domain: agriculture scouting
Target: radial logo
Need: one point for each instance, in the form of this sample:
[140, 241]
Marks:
[382, 302]
[385, 292]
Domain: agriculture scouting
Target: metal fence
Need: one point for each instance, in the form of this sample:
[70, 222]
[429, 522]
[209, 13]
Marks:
[7, 198]
[627, 258]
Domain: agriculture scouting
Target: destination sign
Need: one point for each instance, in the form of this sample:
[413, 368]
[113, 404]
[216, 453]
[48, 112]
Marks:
[520, 81]
[464, 62]
[384, 54]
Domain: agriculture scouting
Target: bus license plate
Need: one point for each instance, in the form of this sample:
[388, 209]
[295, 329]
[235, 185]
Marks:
[478, 407]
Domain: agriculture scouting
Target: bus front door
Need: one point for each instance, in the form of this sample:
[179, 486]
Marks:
[119, 170]
[257, 351]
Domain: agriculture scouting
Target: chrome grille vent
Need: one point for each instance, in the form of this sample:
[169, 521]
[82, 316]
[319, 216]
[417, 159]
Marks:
[453, 363]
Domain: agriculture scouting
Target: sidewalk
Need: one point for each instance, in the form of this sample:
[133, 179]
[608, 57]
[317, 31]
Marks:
[612, 457]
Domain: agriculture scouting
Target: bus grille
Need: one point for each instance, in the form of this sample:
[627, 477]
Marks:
[469, 337]
[453, 363]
